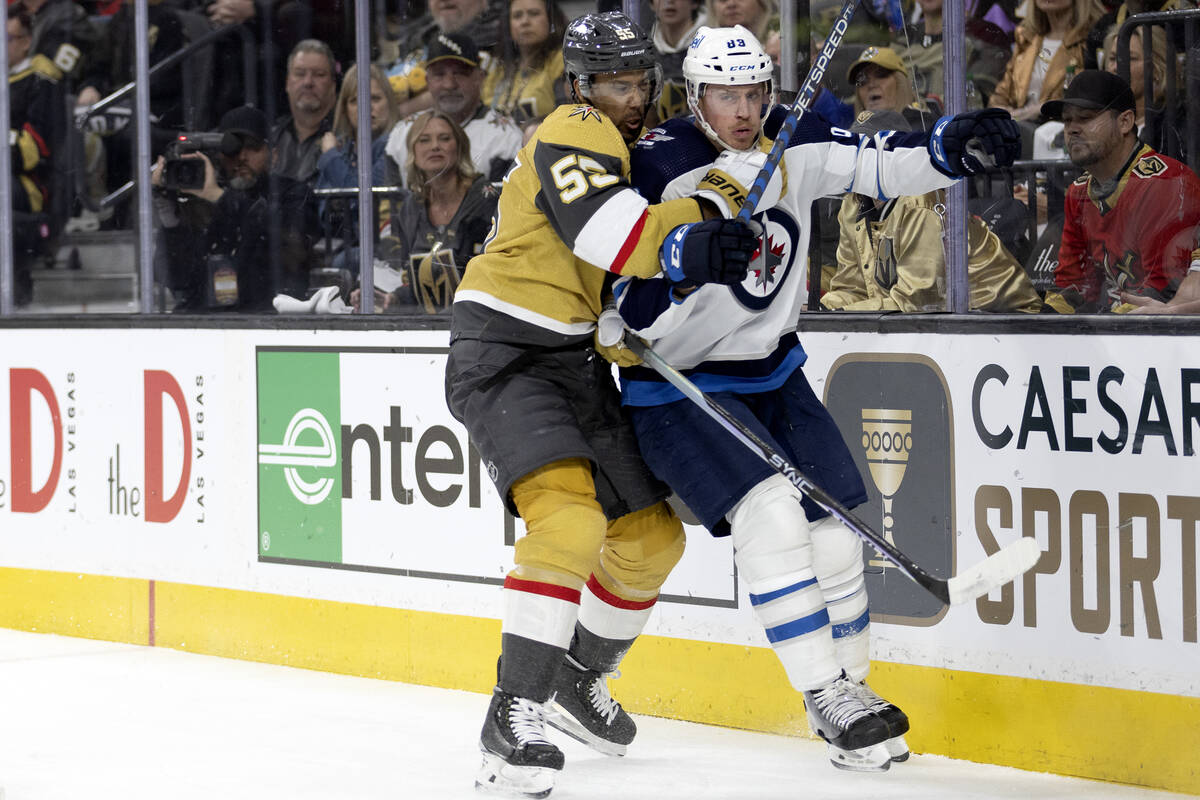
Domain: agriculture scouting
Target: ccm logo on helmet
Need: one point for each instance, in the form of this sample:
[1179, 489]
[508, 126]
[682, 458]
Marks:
[743, 67]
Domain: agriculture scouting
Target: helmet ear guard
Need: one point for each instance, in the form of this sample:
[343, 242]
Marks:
[725, 57]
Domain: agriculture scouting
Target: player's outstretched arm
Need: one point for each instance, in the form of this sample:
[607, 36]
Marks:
[975, 141]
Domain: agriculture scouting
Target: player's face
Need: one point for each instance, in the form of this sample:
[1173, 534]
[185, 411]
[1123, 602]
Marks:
[1091, 136]
[878, 88]
[734, 112]
[623, 98]
[434, 149]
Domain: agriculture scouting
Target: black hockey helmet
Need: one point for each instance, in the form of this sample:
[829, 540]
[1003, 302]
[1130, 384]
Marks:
[595, 44]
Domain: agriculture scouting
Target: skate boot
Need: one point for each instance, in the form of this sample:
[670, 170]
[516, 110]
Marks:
[583, 709]
[855, 735]
[518, 760]
[897, 720]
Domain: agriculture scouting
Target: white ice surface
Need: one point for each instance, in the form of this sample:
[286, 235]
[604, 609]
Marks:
[88, 720]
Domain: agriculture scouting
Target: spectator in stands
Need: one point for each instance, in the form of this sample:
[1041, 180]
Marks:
[35, 103]
[675, 25]
[248, 233]
[1151, 116]
[756, 15]
[311, 91]
[526, 79]
[64, 35]
[478, 20]
[109, 138]
[1050, 44]
[338, 165]
[290, 22]
[1130, 221]
[881, 84]
[450, 209]
[890, 256]
[988, 50]
[1118, 13]
[455, 82]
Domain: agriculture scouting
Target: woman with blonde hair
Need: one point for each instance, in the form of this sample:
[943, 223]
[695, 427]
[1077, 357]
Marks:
[1050, 44]
[337, 168]
[881, 83]
[447, 215]
[1151, 112]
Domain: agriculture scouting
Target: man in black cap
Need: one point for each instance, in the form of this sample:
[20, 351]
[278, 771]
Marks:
[250, 236]
[455, 77]
[1130, 221]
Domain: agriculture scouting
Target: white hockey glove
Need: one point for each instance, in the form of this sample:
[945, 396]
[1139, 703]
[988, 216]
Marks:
[727, 181]
[610, 339]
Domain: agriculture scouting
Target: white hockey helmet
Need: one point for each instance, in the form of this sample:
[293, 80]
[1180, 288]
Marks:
[725, 57]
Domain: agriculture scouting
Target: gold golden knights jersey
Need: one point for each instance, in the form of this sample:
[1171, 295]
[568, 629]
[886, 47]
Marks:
[894, 261]
[567, 219]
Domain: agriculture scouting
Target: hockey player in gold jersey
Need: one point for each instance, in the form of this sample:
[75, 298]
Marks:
[541, 407]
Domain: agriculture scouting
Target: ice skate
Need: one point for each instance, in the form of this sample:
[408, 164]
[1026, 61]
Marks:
[897, 720]
[855, 735]
[583, 709]
[518, 760]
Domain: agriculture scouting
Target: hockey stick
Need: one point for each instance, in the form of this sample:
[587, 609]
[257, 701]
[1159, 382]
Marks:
[803, 100]
[993, 572]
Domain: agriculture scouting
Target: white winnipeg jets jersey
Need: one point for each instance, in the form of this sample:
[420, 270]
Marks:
[743, 338]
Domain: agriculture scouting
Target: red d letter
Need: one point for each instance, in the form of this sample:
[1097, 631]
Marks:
[158, 508]
[21, 385]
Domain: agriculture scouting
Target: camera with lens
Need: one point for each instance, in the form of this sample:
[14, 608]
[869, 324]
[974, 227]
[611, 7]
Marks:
[188, 173]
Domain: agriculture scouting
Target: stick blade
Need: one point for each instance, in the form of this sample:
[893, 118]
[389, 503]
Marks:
[994, 571]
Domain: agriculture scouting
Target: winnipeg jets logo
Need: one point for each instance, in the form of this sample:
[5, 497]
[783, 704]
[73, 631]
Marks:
[764, 273]
[772, 262]
[586, 112]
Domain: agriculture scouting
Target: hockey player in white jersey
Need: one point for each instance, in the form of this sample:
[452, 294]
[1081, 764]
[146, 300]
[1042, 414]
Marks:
[803, 569]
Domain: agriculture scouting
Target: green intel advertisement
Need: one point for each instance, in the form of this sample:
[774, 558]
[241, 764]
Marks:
[299, 472]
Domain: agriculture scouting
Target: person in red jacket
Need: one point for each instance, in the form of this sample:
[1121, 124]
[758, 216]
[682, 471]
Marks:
[1131, 219]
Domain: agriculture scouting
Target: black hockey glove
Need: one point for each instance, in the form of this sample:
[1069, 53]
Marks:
[713, 251]
[970, 143]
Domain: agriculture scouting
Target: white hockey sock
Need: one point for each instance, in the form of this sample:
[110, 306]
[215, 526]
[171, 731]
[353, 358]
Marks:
[774, 556]
[838, 564]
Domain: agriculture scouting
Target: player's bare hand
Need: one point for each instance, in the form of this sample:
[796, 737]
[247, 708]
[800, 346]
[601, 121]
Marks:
[1145, 305]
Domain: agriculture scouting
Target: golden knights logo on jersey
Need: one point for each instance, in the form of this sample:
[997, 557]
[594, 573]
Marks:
[772, 262]
[586, 113]
[433, 277]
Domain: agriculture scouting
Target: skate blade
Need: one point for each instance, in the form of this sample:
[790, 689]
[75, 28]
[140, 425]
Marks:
[865, 759]
[497, 777]
[561, 721]
[897, 749]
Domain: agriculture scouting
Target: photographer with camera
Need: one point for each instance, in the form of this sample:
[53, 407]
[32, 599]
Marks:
[234, 238]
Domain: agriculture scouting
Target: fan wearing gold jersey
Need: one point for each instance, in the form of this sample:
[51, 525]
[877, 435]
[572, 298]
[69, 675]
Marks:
[542, 408]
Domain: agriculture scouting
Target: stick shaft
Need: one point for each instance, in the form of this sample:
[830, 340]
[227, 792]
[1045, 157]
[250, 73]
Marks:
[936, 586]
